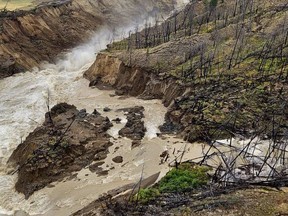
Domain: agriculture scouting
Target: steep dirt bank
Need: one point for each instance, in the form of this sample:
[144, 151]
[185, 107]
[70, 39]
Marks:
[132, 80]
[68, 141]
[29, 37]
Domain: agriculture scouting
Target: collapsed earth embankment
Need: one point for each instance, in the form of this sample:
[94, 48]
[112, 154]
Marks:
[27, 38]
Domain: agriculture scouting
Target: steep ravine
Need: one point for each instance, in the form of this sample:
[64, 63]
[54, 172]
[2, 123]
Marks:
[214, 107]
[28, 38]
[218, 99]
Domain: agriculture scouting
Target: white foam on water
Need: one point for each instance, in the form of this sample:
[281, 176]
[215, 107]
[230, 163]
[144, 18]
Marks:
[23, 104]
[256, 151]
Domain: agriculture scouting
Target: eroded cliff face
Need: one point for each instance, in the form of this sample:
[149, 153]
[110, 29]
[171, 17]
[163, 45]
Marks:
[30, 37]
[132, 80]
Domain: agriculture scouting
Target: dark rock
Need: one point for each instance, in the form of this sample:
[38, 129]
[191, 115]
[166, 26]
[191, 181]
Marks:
[103, 173]
[100, 85]
[82, 113]
[118, 159]
[116, 149]
[117, 120]
[164, 154]
[134, 128]
[95, 112]
[100, 156]
[106, 109]
[96, 167]
[44, 157]
[136, 143]
[95, 82]
[125, 131]
[62, 108]
[120, 92]
[169, 128]
[8, 66]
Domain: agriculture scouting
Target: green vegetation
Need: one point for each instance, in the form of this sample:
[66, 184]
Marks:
[185, 178]
[146, 194]
[213, 3]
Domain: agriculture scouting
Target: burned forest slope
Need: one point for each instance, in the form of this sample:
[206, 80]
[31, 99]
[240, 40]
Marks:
[221, 67]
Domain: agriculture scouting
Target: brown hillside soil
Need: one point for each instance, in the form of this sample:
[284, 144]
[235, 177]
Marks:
[27, 38]
[222, 71]
[257, 202]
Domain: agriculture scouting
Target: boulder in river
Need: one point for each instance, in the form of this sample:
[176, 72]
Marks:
[134, 128]
[68, 142]
[118, 159]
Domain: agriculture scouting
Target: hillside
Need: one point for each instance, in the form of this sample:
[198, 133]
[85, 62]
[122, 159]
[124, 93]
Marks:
[224, 66]
[221, 69]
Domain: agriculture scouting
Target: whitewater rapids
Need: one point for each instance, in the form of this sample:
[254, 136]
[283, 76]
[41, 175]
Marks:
[22, 109]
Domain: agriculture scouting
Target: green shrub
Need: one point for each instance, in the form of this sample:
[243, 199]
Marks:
[146, 194]
[213, 3]
[184, 178]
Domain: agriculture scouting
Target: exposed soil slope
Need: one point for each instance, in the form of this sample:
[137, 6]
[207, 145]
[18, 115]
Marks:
[28, 38]
[221, 67]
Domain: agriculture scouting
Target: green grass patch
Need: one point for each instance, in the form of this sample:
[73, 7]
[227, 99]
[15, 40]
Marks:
[185, 178]
[146, 194]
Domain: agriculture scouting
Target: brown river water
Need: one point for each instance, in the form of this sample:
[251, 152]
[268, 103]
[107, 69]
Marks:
[22, 108]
